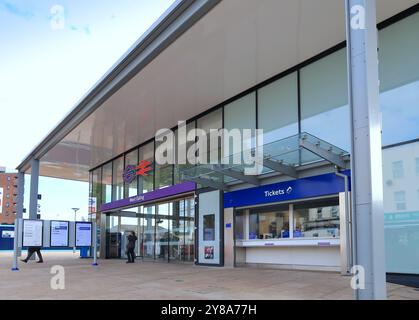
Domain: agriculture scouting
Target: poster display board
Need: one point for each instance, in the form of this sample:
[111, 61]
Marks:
[83, 234]
[33, 233]
[59, 233]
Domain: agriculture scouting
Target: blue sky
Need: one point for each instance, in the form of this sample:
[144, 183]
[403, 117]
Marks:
[51, 54]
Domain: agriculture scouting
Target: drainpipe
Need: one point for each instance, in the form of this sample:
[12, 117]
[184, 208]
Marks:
[349, 247]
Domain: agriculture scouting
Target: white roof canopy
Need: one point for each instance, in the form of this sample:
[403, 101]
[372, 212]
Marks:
[196, 56]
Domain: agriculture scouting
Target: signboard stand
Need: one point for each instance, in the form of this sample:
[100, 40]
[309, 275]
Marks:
[60, 236]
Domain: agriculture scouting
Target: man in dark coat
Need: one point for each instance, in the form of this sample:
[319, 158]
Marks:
[31, 251]
[132, 238]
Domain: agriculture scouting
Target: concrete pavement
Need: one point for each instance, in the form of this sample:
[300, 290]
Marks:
[114, 279]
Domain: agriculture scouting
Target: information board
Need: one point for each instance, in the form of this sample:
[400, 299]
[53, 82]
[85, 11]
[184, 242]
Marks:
[83, 234]
[59, 233]
[32, 233]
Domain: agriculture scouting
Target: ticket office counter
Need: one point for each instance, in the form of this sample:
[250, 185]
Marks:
[307, 235]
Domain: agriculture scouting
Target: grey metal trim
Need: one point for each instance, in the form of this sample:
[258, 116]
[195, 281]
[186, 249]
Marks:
[325, 154]
[236, 175]
[281, 168]
[181, 16]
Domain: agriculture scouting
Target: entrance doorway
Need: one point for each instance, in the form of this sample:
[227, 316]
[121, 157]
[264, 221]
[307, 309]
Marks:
[165, 231]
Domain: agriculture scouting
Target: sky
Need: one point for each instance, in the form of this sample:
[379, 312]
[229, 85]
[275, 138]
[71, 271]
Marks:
[51, 54]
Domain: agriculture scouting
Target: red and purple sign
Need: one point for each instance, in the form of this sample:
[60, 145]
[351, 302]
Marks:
[131, 172]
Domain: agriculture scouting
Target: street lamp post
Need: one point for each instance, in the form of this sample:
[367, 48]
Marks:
[75, 219]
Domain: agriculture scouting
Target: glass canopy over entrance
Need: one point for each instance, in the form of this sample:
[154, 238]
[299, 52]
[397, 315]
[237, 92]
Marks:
[285, 156]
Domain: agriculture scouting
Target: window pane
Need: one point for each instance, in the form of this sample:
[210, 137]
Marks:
[131, 159]
[164, 171]
[209, 227]
[212, 121]
[253, 226]
[278, 109]
[149, 225]
[107, 183]
[399, 101]
[179, 158]
[239, 225]
[96, 187]
[398, 171]
[241, 114]
[146, 183]
[399, 80]
[271, 223]
[324, 100]
[316, 221]
[118, 180]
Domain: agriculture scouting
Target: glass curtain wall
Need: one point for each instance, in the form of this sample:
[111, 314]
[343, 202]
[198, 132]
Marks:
[399, 101]
[131, 188]
[96, 189]
[278, 109]
[117, 179]
[146, 183]
[209, 123]
[241, 114]
[324, 100]
[107, 183]
[166, 231]
[178, 168]
[164, 172]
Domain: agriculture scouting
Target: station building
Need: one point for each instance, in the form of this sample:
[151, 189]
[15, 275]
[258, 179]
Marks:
[280, 66]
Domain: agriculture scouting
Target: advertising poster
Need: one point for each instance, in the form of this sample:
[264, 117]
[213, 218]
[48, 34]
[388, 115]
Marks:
[1, 200]
[6, 234]
[32, 233]
[92, 205]
[59, 233]
[83, 234]
[209, 253]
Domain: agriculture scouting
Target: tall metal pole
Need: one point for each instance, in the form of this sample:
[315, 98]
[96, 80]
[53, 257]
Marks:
[19, 204]
[366, 160]
[94, 235]
[33, 196]
[33, 200]
[15, 266]
[75, 219]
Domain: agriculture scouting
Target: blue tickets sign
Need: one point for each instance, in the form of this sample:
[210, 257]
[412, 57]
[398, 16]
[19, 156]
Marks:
[317, 186]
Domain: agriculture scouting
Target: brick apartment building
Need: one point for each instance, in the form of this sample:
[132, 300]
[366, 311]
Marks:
[8, 194]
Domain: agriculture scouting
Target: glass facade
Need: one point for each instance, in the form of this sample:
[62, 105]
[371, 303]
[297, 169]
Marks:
[117, 179]
[278, 109]
[311, 219]
[399, 100]
[241, 114]
[316, 220]
[166, 231]
[324, 100]
[146, 183]
[311, 99]
[131, 188]
[106, 183]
